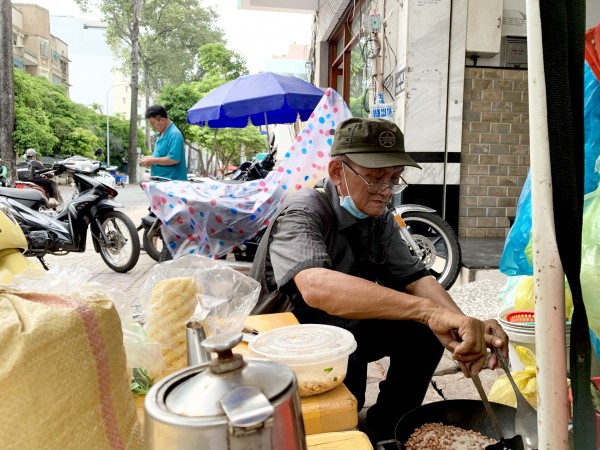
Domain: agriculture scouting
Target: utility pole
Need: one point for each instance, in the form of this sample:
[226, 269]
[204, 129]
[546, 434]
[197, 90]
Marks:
[7, 99]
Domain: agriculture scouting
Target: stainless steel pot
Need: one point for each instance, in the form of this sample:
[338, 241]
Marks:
[227, 403]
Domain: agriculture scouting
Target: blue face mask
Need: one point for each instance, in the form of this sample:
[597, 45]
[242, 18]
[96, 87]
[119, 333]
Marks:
[348, 204]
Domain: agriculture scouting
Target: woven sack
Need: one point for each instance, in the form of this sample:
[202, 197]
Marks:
[63, 380]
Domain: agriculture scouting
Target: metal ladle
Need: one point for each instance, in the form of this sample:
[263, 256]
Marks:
[526, 416]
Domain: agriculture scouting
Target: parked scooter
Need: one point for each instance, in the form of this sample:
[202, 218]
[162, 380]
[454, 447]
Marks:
[113, 233]
[428, 235]
[49, 205]
[84, 164]
[152, 240]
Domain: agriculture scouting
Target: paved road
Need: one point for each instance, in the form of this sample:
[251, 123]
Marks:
[135, 206]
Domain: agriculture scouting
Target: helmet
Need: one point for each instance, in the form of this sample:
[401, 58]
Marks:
[30, 153]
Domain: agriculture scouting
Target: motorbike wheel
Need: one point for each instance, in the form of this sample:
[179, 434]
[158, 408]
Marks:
[153, 243]
[122, 251]
[439, 244]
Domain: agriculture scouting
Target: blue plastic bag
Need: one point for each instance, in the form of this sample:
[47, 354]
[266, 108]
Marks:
[514, 261]
[591, 122]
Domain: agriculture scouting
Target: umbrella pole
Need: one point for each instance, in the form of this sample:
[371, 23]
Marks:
[267, 130]
[549, 288]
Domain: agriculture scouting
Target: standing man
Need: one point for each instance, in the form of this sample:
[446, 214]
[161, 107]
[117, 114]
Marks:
[168, 160]
[334, 255]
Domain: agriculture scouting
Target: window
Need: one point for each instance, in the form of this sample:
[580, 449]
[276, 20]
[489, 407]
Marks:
[350, 70]
[15, 38]
[44, 46]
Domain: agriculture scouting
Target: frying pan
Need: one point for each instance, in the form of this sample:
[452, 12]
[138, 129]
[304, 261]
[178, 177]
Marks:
[467, 414]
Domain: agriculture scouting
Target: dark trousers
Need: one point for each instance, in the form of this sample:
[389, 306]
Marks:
[414, 353]
[48, 186]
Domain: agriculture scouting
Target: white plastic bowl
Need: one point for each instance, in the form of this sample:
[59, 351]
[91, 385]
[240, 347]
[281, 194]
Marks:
[318, 354]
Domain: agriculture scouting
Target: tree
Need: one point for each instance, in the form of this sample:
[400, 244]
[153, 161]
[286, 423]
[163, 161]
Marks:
[7, 108]
[173, 31]
[123, 19]
[216, 62]
[54, 125]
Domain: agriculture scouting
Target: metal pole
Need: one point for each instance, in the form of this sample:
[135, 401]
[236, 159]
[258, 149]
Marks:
[549, 287]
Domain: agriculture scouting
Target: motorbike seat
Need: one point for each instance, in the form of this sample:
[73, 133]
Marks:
[148, 221]
[23, 194]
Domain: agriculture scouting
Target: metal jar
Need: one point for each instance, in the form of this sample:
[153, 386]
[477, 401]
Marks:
[227, 403]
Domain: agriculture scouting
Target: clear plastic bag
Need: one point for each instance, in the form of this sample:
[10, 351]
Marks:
[590, 259]
[506, 296]
[226, 296]
[196, 288]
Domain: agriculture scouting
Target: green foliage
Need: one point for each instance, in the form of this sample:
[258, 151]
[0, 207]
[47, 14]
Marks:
[32, 129]
[177, 100]
[171, 33]
[215, 61]
[48, 121]
[229, 141]
[80, 142]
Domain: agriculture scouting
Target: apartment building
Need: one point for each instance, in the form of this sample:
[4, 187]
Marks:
[35, 50]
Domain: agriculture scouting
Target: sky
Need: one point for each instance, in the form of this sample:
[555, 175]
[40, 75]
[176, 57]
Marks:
[256, 35]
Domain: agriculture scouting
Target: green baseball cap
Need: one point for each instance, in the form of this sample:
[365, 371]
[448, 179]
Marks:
[371, 143]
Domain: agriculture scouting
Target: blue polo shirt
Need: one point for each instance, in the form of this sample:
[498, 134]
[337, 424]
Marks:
[170, 144]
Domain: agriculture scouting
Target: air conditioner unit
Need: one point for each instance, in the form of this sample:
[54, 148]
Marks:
[513, 52]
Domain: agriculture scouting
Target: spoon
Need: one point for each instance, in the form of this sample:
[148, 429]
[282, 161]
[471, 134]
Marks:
[526, 416]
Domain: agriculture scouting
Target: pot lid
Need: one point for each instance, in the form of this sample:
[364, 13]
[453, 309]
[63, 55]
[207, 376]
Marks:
[201, 394]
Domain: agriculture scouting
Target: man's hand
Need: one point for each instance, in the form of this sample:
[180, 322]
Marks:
[495, 337]
[463, 336]
[146, 161]
[468, 338]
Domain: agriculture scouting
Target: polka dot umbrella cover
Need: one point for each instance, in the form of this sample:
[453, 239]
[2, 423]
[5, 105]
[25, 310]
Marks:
[213, 217]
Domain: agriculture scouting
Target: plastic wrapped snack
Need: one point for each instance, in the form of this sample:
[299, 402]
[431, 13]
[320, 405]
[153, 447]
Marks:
[172, 304]
[194, 288]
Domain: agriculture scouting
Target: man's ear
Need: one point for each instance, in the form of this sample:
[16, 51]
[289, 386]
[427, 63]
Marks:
[335, 171]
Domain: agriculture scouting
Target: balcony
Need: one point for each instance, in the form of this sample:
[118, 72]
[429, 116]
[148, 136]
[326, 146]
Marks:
[26, 56]
[290, 6]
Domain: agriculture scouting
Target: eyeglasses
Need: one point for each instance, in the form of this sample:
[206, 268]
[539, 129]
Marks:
[398, 184]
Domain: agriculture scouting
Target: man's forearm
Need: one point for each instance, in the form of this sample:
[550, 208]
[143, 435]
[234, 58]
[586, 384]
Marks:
[351, 297]
[163, 161]
[428, 287]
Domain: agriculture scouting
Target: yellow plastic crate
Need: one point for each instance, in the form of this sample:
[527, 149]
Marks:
[341, 440]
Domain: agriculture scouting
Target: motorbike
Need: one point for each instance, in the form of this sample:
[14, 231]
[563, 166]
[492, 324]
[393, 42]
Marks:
[93, 205]
[249, 170]
[83, 163]
[48, 205]
[74, 162]
[429, 237]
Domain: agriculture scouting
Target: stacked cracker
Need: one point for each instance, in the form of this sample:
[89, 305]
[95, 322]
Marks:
[173, 303]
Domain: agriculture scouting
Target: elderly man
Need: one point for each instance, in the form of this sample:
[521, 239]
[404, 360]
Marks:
[334, 255]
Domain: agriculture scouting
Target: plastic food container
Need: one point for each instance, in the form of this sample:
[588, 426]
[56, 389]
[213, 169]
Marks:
[318, 354]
